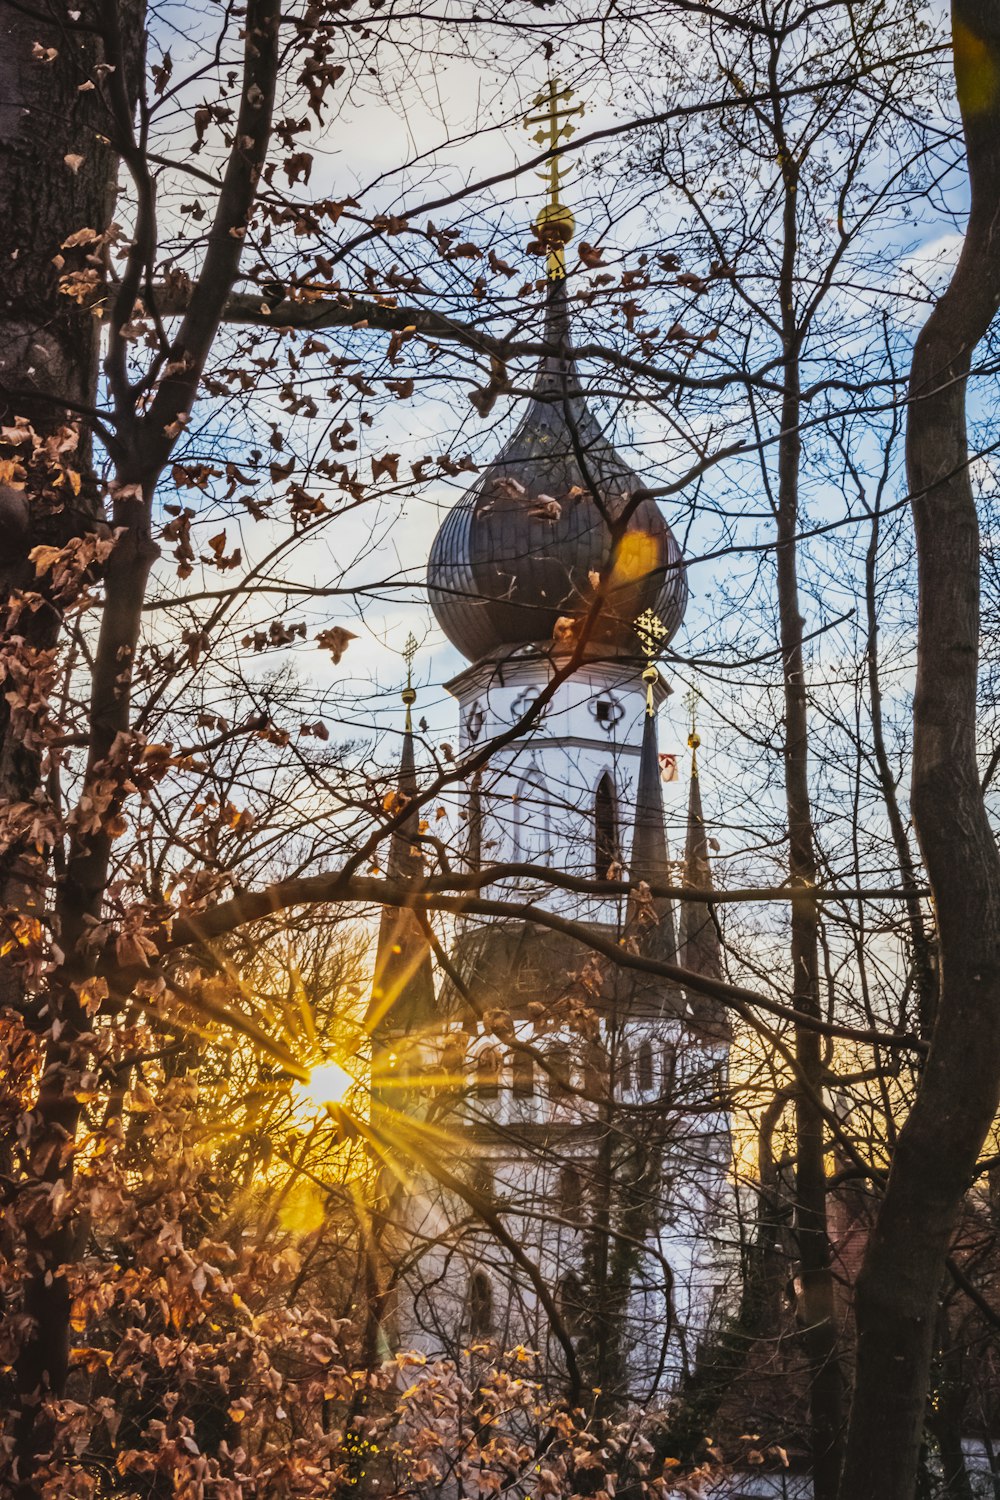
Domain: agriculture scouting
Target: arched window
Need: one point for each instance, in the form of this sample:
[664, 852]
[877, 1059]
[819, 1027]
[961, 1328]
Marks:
[570, 1192]
[669, 1066]
[595, 1071]
[531, 820]
[488, 1073]
[474, 826]
[558, 1060]
[644, 1066]
[522, 1075]
[605, 828]
[625, 1066]
[481, 1178]
[480, 1304]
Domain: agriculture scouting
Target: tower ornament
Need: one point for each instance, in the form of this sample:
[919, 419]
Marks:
[409, 693]
[651, 630]
[554, 224]
[694, 738]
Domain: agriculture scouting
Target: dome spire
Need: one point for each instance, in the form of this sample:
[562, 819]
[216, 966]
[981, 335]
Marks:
[409, 694]
[554, 224]
[533, 539]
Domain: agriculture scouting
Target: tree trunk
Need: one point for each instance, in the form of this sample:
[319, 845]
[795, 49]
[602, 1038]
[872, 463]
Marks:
[143, 442]
[58, 174]
[935, 1158]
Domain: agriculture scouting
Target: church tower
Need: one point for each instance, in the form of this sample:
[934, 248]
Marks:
[573, 1151]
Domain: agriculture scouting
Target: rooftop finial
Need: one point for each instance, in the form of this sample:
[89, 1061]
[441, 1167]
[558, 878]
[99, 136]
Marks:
[554, 225]
[694, 739]
[650, 629]
[409, 693]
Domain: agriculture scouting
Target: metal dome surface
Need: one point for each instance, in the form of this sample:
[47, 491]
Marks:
[525, 544]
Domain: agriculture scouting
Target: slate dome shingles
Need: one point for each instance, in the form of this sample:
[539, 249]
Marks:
[505, 564]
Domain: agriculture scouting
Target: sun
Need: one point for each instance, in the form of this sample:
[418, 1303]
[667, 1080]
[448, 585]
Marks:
[327, 1083]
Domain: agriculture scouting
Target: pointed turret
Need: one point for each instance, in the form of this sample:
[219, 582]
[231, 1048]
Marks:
[700, 946]
[700, 949]
[650, 861]
[402, 1001]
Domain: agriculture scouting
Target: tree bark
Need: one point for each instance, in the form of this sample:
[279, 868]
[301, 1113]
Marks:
[935, 1158]
[58, 174]
[143, 441]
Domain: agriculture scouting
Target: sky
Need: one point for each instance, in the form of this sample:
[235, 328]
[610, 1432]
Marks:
[427, 125]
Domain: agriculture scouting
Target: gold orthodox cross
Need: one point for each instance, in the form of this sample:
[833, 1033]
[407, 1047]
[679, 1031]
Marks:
[691, 707]
[409, 652]
[409, 694]
[554, 225]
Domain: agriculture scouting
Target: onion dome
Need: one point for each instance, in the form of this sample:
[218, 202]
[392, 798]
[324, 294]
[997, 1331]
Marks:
[531, 540]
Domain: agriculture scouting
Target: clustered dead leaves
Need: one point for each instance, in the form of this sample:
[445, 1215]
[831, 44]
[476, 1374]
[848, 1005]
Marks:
[193, 1368]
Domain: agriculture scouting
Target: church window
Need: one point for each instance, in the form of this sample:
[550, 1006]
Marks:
[608, 712]
[474, 835]
[474, 722]
[605, 828]
[669, 1066]
[558, 1060]
[522, 1075]
[595, 1071]
[644, 1065]
[480, 1304]
[532, 834]
[481, 1178]
[488, 1073]
[625, 1065]
[570, 1191]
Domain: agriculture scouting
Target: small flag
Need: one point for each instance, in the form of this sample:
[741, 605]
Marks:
[668, 768]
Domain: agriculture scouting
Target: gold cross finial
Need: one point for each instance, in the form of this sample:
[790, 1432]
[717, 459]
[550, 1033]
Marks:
[554, 117]
[694, 739]
[409, 694]
[691, 707]
[651, 630]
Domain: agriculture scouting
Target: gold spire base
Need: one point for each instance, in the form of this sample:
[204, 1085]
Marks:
[650, 677]
[554, 227]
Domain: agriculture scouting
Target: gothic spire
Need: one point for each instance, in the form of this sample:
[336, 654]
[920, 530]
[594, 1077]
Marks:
[402, 999]
[650, 861]
[699, 937]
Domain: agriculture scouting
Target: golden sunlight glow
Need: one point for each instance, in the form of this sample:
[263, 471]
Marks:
[638, 555]
[328, 1083]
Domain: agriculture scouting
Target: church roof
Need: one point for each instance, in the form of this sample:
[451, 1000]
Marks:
[528, 541]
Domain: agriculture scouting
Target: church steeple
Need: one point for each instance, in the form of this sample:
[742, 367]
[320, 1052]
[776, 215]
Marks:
[700, 949]
[650, 861]
[402, 1000]
[558, 513]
